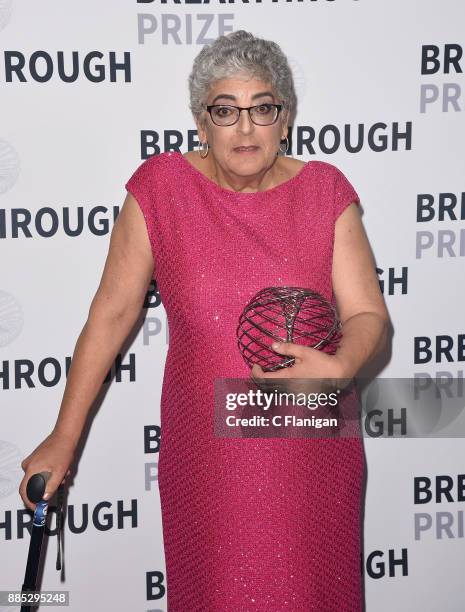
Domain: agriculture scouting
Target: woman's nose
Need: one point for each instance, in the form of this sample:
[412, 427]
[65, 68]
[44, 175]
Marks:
[244, 122]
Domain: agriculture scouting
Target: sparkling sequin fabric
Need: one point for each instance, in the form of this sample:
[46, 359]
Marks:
[249, 525]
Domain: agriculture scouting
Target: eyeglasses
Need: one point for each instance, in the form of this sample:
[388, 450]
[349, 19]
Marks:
[261, 114]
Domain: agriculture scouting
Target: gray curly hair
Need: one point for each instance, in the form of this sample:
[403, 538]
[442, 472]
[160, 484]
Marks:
[241, 53]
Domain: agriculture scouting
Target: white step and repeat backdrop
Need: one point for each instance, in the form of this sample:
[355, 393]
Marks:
[90, 89]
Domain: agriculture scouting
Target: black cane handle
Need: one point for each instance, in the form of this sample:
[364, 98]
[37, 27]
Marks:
[36, 484]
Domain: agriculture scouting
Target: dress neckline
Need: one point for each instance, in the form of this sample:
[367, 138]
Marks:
[244, 195]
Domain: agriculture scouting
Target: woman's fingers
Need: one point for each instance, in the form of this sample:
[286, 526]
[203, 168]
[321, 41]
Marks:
[290, 348]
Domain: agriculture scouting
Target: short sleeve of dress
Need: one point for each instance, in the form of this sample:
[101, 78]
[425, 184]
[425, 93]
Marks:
[344, 193]
[142, 185]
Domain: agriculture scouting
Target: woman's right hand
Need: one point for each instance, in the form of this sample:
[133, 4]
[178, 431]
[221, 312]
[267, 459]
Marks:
[54, 454]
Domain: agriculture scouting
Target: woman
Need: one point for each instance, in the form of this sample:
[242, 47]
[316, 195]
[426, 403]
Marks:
[248, 524]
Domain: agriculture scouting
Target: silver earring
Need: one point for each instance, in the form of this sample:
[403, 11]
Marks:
[202, 150]
[287, 146]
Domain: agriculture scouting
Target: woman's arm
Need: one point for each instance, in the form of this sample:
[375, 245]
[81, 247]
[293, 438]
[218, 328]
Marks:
[360, 307]
[114, 309]
[359, 300]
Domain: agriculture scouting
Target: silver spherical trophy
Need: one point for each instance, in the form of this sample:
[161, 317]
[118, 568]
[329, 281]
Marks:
[298, 315]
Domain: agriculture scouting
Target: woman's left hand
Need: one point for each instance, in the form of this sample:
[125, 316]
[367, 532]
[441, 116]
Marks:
[310, 365]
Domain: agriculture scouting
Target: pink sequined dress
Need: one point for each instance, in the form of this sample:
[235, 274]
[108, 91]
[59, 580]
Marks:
[251, 524]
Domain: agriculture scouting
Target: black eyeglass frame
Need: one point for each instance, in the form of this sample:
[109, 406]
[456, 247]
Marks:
[248, 109]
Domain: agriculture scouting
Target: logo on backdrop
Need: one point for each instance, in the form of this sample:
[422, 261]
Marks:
[418, 407]
[434, 211]
[440, 501]
[10, 471]
[439, 348]
[102, 516]
[11, 318]
[49, 371]
[9, 166]
[393, 281]
[437, 63]
[389, 563]
[5, 13]
[155, 587]
[152, 440]
[155, 580]
[47, 222]
[67, 66]
[328, 139]
[196, 28]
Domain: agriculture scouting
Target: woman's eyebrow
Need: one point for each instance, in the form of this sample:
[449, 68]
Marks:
[231, 97]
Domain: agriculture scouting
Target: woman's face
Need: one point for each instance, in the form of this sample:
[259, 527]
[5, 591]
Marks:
[223, 140]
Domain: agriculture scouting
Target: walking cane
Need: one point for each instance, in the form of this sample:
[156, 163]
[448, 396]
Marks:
[35, 490]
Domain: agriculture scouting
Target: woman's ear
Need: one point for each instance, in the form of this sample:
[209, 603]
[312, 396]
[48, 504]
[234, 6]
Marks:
[201, 131]
[285, 123]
